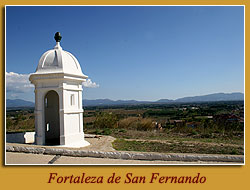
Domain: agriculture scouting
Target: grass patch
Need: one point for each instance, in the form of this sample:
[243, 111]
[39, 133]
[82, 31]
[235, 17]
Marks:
[175, 147]
[164, 135]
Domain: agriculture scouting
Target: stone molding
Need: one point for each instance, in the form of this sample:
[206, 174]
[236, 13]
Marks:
[125, 155]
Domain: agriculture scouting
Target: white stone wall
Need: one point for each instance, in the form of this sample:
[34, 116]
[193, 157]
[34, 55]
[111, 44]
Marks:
[70, 109]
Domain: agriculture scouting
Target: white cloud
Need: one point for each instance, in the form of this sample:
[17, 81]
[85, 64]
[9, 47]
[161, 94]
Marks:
[18, 83]
[90, 84]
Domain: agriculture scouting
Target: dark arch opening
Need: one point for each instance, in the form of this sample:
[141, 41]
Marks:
[52, 121]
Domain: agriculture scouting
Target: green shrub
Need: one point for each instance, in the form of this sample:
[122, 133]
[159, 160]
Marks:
[106, 131]
[122, 130]
[105, 120]
[234, 152]
[98, 132]
[193, 132]
[206, 135]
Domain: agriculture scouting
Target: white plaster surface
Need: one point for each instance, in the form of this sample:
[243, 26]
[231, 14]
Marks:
[58, 60]
[79, 144]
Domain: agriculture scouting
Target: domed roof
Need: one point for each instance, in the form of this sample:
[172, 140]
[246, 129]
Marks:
[58, 61]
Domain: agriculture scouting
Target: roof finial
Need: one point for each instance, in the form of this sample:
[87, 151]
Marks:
[58, 37]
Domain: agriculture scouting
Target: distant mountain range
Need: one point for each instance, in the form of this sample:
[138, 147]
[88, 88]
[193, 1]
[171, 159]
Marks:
[205, 98]
[98, 102]
[19, 103]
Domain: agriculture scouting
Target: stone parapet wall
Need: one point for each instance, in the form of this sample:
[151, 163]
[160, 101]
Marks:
[125, 155]
[22, 137]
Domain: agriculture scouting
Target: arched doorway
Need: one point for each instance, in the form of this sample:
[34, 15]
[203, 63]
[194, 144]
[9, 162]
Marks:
[52, 121]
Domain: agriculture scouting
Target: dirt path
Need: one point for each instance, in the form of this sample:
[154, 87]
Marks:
[99, 142]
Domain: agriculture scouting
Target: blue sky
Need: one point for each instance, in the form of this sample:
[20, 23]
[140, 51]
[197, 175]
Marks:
[140, 52]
